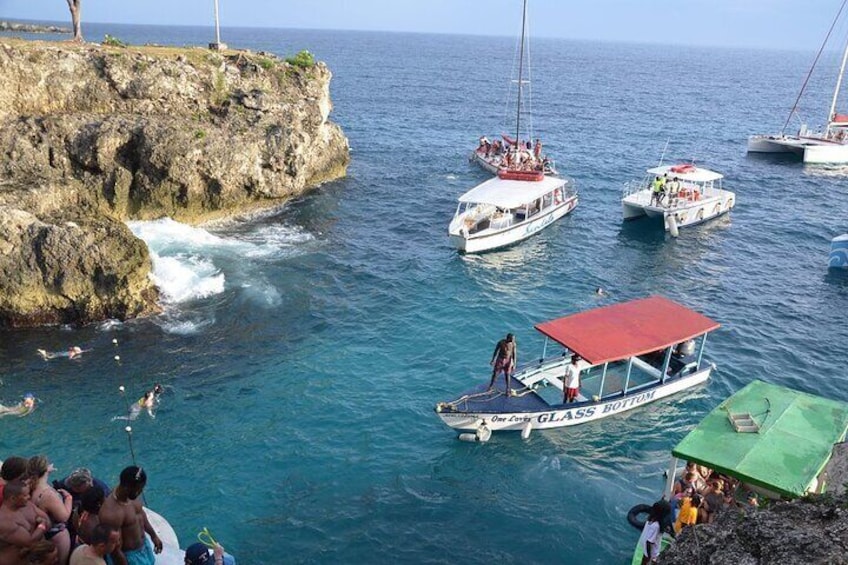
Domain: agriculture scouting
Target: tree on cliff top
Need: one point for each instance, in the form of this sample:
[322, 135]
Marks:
[74, 6]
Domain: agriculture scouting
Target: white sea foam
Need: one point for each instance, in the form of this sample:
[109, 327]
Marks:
[185, 277]
[191, 264]
[109, 325]
[173, 325]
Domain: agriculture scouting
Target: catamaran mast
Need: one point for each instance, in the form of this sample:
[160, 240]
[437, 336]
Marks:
[810, 73]
[838, 86]
[520, 75]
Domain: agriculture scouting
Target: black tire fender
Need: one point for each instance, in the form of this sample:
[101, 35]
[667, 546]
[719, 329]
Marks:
[634, 517]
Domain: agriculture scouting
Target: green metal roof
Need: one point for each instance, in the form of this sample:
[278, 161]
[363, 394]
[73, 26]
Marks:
[796, 437]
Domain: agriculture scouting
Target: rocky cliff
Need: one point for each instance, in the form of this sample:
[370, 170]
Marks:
[813, 530]
[91, 136]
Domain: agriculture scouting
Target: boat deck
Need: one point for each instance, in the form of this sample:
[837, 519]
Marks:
[645, 373]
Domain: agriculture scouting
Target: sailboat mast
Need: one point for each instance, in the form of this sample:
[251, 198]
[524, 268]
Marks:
[810, 73]
[520, 75]
[838, 86]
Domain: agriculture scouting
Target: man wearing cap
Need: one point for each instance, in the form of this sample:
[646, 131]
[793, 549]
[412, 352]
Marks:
[77, 483]
[198, 554]
[123, 510]
[504, 360]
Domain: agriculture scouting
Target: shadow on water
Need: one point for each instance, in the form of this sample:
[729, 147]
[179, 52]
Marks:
[786, 159]
[643, 230]
[837, 277]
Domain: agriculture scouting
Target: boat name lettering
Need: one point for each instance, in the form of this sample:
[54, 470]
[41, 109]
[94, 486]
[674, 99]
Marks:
[511, 418]
[628, 402]
[567, 415]
[536, 227]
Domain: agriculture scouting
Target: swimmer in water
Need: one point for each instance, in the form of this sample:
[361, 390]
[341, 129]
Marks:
[600, 292]
[148, 402]
[71, 353]
[23, 408]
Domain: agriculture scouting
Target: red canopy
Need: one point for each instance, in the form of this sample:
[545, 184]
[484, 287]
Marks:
[623, 330]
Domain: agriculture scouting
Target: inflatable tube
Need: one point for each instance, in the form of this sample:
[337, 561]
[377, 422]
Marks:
[633, 516]
[532, 176]
[683, 169]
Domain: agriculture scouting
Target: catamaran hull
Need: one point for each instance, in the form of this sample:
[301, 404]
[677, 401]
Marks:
[508, 236]
[634, 206]
[812, 150]
[580, 413]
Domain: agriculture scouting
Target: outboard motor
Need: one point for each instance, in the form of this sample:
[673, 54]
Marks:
[686, 348]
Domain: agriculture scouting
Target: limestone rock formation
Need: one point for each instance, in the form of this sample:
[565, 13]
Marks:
[96, 135]
[803, 531]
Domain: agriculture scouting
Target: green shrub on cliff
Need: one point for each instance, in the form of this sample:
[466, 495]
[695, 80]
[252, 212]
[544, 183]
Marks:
[113, 41]
[304, 60]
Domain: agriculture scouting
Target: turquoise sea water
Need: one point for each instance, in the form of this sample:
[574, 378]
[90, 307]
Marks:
[303, 350]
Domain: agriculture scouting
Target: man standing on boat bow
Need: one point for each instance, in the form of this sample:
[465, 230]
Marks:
[504, 359]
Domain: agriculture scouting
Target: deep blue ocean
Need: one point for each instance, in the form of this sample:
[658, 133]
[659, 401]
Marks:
[303, 350]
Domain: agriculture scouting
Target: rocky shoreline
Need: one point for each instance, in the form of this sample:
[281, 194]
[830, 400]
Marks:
[92, 136]
[809, 530]
[32, 28]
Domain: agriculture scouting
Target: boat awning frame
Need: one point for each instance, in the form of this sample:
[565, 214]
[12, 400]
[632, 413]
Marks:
[797, 433]
[627, 329]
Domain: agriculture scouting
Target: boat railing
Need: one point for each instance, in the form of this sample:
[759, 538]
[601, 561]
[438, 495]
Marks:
[632, 187]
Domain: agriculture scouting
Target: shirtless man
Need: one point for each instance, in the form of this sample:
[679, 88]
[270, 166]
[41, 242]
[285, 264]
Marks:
[22, 524]
[122, 510]
[504, 360]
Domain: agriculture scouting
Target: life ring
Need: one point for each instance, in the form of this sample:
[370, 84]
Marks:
[683, 169]
[633, 515]
[700, 214]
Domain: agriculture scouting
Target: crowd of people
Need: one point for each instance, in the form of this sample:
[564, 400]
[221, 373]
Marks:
[518, 156]
[697, 497]
[79, 520]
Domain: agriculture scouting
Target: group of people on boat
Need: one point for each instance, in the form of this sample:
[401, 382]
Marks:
[669, 190]
[698, 496]
[79, 520]
[514, 156]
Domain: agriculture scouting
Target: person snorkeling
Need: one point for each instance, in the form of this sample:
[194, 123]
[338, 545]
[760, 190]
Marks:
[148, 402]
[22, 408]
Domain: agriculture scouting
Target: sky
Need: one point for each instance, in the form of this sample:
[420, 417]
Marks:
[790, 24]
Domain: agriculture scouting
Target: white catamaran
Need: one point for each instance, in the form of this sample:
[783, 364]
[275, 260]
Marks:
[828, 146]
[690, 196]
[632, 353]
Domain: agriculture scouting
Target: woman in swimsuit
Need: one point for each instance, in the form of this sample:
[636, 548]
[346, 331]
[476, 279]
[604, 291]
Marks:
[56, 504]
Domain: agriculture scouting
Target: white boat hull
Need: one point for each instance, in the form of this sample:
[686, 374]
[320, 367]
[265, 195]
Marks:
[489, 240]
[490, 164]
[811, 149]
[581, 413]
[686, 212]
